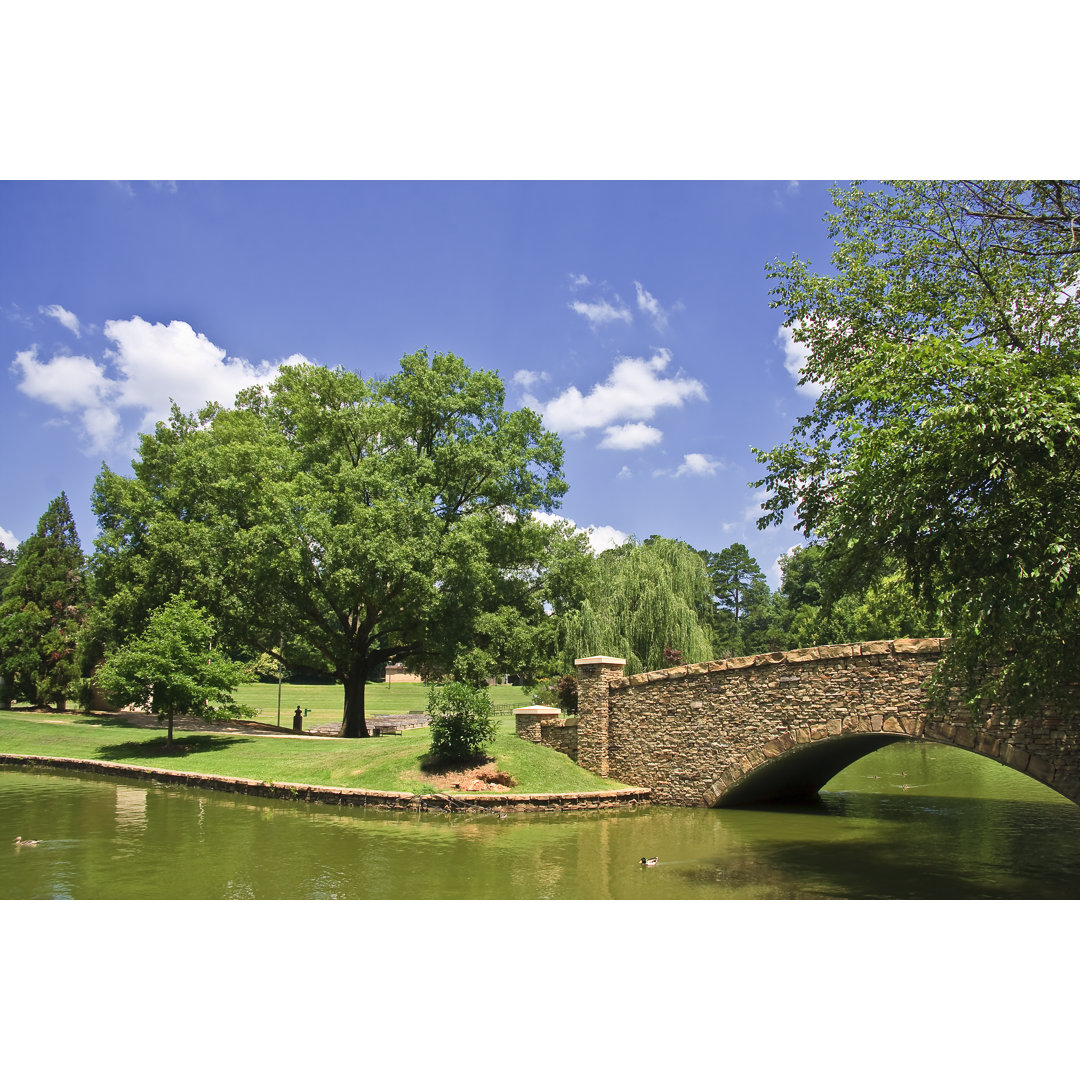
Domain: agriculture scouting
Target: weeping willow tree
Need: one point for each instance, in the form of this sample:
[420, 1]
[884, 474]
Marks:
[641, 599]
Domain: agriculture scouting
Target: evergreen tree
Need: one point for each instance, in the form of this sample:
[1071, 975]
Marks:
[42, 610]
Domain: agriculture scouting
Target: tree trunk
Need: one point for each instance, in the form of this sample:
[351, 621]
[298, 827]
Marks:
[169, 743]
[354, 725]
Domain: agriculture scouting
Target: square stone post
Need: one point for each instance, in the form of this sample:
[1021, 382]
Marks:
[594, 675]
[527, 721]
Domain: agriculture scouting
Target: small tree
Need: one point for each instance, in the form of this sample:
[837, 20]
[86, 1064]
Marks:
[461, 721]
[172, 669]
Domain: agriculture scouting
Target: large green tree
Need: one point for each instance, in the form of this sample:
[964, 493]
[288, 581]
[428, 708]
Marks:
[338, 523]
[42, 611]
[640, 600]
[946, 344]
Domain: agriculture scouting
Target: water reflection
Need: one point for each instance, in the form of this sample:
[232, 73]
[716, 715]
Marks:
[902, 823]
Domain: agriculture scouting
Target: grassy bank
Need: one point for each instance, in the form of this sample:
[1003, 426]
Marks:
[383, 764]
[326, 702]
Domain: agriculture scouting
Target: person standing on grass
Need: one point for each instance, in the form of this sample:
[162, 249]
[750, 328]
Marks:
[298, 720]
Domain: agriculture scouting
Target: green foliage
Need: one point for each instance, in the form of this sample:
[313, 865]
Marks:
[566, 694]
[461, 721]
[171, 668]
[641, 599]
[339, 523]
[43, 610]
[947, 435]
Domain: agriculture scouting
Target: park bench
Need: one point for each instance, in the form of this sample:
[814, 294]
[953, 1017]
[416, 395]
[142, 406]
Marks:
[385, 729]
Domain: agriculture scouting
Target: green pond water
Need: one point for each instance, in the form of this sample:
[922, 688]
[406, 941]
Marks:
[911, 821]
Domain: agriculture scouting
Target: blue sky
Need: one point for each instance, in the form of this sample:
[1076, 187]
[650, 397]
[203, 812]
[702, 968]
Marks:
[633, 315]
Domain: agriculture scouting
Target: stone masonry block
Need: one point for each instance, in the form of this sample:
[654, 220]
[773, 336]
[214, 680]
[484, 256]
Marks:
[917, 645]
[874, 648]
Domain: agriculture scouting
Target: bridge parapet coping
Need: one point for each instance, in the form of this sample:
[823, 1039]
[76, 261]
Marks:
[898, 646]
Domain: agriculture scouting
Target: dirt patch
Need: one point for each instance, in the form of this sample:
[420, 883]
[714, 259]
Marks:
[481, 776]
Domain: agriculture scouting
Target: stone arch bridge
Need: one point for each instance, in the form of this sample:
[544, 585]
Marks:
[780, 725]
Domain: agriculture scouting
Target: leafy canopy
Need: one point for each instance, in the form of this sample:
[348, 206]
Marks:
[947, 432]
[641, 599]
[337, 523]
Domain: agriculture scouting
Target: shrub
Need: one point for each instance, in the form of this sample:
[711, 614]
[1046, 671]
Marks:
[461, 721]
[566, 694]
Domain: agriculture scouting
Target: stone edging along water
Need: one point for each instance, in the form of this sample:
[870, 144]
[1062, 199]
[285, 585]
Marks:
[468, 802]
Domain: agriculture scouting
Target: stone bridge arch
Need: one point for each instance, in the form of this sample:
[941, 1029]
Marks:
[780, 725]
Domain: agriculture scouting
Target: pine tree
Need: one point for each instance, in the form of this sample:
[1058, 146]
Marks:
[42, 608]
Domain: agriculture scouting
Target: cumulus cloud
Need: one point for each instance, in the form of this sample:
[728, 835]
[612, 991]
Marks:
[630, 437]
[600, 537]
[8, 539]
[635, 390]
[579, 281]
[698, 465]
[147, 365]
[600, 312]
[66, 318]
[796, 354]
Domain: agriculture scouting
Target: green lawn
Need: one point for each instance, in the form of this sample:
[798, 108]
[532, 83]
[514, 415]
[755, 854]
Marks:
[326, 702]
[379, 764]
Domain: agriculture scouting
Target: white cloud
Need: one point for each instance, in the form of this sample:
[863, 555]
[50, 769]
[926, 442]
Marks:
[69, 383]
[63, 316]
[601, 537]
[528, 379]
[167, 186]
[8, 539]
[579, 281]
[635, 390]
[698, 465]
[630, 437]
[648, 303]
[624, 473]
[602, 312]
[149, 364]
[796, 354]
[159, 362]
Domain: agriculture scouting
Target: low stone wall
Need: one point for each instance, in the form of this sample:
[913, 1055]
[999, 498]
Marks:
[543, 724]
[490, 802]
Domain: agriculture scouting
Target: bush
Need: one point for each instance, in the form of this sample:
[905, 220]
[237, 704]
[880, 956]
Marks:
[566, 692]
[461, 721]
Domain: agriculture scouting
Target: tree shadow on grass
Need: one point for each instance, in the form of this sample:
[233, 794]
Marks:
[106, 721]
[159, 748]
[439, 766]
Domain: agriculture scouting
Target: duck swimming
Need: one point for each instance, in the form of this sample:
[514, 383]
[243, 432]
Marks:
[20, 842]
[650, 862]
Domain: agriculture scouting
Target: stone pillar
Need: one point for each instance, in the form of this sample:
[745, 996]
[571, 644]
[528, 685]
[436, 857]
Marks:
[528, 719]
[594, 675]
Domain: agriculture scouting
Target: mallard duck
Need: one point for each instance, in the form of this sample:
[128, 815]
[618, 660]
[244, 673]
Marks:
[650, 862]
[20, 842]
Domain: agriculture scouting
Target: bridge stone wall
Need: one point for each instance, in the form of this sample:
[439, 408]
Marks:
[781, 724]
